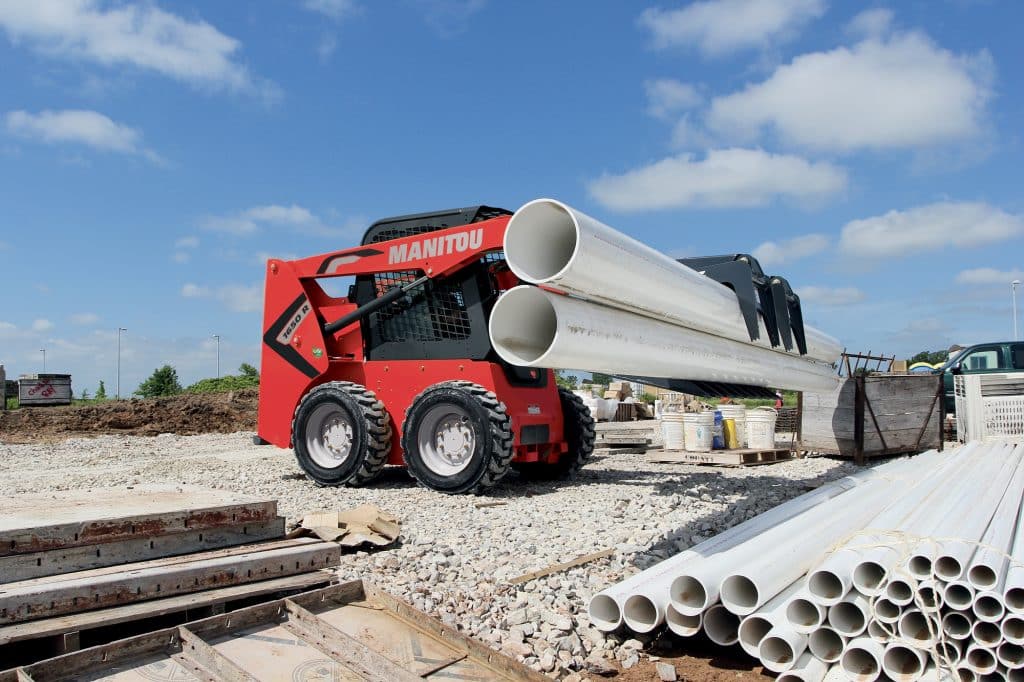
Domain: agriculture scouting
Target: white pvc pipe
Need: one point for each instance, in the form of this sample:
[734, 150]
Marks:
[958, 595]
[965, 674]
[1015, 675]
[956, 625]
[880, 632]
[988, 566]
[684, 626]
[988, 606]
[862, 660]
[808, 668]
[549, 243]
[754, 627]
[987, 634]
[781, 647]
[826, 644]
[850, 616]
[929, 595]
[1011, 655]
[903, 663]
[886, 611]
[919, 628]
[531, 327]
[804, 615]
[901, 588]
[832, 579]
[981, 660]
[950, 651]
[721, 626]
[1013, 629]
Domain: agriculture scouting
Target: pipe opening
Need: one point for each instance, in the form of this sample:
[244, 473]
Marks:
[918, 628]
[604, 613]
[899, 591]
[982, 577]
[721, 626]
[988, 607]
[684, 626]
[688, 594]
[826, 644]
[740, 593]
[640, 613]
[523, 325]
[847, 619]
[776, 653]
[878, 632]
[965, 674]
[920, 566]
[902, 663]
[1013, 629]
[887, 611]
[949, 651]
[540, 222]
[752, 630]
[869, 576]
[930, 598]
[958, 596]
[825, 585]
[1011, 655]
[860, 665]
[1015, 675]
[986, 634]
[1015, 599]
[803, 614]
[956, 625]
[981, 660]
[948, 567]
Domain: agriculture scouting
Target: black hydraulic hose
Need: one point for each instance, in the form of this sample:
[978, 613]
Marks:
[374, 305]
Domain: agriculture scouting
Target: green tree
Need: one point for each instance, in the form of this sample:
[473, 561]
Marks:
[85, 394]
[564, 380]
[932, 357]
[101, 392]
[598, 378]
[163, 381]
[247, 370]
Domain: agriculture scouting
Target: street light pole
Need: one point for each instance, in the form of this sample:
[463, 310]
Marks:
[217, 336]
[118, 390]
[1013, 295]
[43, 351]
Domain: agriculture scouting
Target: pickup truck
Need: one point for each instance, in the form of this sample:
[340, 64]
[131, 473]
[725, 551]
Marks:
[1004, 357]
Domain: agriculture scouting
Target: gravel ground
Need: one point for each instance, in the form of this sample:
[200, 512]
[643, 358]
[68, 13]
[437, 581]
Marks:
[454, 559]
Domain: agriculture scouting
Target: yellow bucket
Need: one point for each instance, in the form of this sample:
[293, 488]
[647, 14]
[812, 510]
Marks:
[729, 431]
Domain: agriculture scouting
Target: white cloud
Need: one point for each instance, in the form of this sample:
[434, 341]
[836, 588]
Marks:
[718, 27]
[899, 92]
[42, 325]
[789, 250]
[85, 318]
[334, 9]
[78, 126]
[187, 243]
[191, 290]
[871, 23]
[253, 219]
[240, 298]
[829, 296]
[667, 96]
[929, 228]
[724, 178]
[989, 276]
[140, 35]
[8, 330]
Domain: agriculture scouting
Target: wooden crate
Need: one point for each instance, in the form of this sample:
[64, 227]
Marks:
[351, 631]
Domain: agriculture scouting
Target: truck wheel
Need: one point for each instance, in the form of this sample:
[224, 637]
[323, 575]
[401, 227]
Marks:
[579, 434]
[457, 438]
[341, 434]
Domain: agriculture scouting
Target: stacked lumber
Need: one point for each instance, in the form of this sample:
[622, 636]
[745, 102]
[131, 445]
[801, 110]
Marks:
[78, 560]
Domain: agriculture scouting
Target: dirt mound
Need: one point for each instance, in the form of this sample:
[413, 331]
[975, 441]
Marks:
[182, 414]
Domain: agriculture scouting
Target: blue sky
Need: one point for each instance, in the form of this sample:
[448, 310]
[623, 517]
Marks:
[152, 154]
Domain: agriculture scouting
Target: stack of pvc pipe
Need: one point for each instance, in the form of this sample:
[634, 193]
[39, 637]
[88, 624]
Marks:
[911, 570]
[627, 309]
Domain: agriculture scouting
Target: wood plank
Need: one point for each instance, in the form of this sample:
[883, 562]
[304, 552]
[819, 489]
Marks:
[744, 457]
[16, 567]
[27, 602]
[40, 521]
[563, 566]
[90, 620]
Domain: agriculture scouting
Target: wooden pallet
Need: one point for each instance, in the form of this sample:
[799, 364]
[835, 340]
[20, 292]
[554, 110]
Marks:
[351, 631]
[730, 458]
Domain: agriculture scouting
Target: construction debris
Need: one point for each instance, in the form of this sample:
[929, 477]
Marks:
[365, 524]
[563, 566]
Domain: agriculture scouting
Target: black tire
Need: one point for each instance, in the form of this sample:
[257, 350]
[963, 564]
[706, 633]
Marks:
[579, 434]
[369, 440]
[479, 415]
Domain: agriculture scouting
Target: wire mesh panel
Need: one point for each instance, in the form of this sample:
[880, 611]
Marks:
[989, 407]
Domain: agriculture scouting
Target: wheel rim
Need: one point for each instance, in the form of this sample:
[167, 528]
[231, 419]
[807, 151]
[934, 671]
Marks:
[329, 436]
[446, 439]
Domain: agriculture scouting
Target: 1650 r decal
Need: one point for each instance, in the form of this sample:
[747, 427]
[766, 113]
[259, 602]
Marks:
[280, 334]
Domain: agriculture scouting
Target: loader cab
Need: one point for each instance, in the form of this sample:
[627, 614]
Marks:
[983, 358]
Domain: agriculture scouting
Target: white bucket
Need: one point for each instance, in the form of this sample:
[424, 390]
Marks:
[672, 430]
[761, 428]
[737, 413]
[697, 430]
